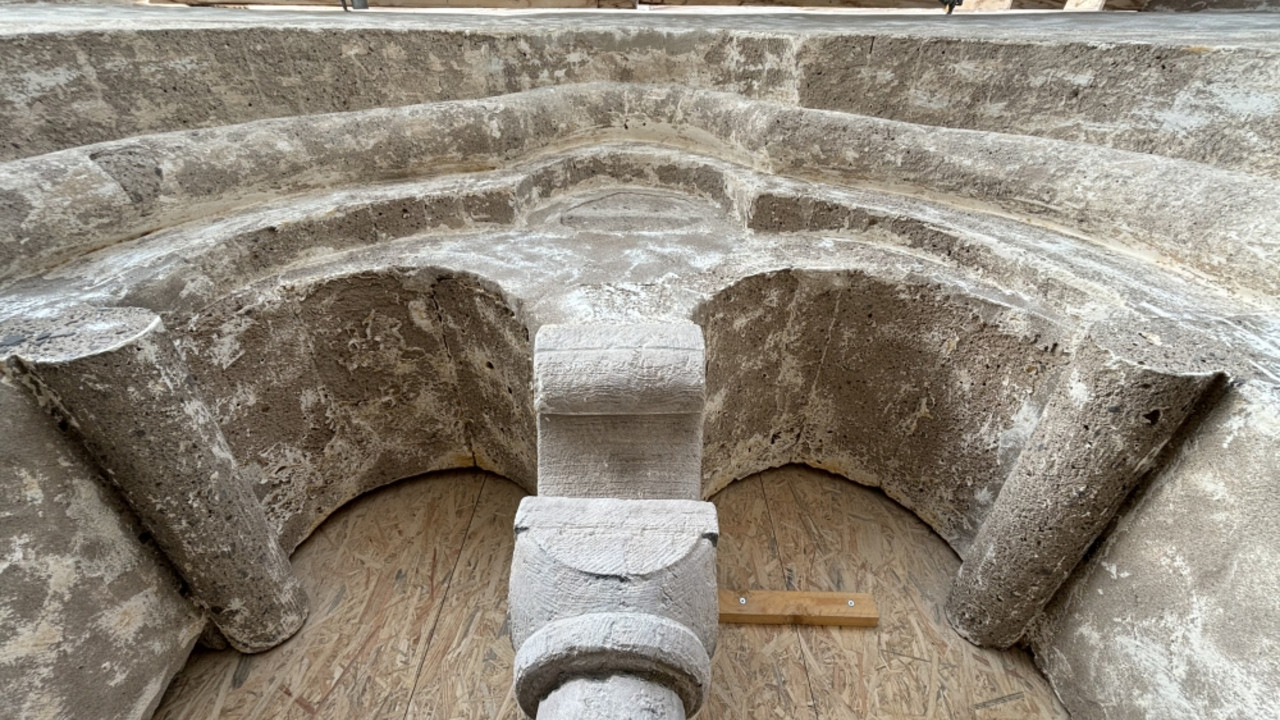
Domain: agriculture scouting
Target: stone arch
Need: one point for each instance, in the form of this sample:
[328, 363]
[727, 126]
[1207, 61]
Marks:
[329, 386]
[912, 386]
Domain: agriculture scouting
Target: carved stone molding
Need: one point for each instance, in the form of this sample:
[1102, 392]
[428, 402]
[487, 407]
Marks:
[612, 602]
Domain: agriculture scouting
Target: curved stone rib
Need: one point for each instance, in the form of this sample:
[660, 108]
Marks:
[216, 256]
[1216, 221]
[1102, 429]
[117, 379]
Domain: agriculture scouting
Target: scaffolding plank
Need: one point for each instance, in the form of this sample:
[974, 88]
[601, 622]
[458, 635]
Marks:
[794, 607]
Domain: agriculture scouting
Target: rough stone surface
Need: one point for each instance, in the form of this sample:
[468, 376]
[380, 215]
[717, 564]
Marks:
[576, 556]
[619, 370]
[318, 383]
[876, 381]
[1172, 85]
[1173, 614]
[1202, 5]
[894, 234]
[632, 456]
[1101, 430]
[619, 410]
[92, 619]
[116, 378]
[612, 643]
[624, 697]
[65, 203]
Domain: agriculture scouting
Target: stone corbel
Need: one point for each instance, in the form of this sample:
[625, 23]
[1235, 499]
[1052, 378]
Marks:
[612, 601]
[119, 383]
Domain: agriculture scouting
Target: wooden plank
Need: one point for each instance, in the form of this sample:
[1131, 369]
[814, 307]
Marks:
[795, 607]
[829, 544]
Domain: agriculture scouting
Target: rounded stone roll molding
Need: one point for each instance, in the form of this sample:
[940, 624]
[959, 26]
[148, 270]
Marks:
[1105, 424]
[620, 410]
[653, 649]
[114, 378]
[638, 369]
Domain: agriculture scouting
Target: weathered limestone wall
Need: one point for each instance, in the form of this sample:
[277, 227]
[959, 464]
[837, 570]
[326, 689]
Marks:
[1152, 97]
[355, 293]
[882, 381]
[1211, 5]
[92, 620]
[335, 384]
[1175, 614]
[1197, 87]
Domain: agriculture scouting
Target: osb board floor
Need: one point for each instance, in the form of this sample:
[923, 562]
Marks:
[408, 597]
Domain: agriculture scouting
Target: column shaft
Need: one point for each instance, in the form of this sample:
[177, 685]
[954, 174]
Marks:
[620, 697]
[1100, 432]
[119, 382]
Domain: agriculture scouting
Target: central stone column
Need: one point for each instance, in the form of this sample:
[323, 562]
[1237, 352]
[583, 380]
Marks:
[613, 595]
